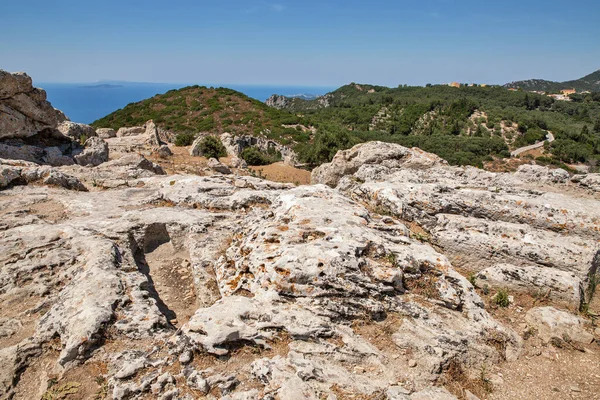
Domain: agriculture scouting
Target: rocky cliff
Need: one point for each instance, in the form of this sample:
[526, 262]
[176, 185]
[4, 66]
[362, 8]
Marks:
[383, 279]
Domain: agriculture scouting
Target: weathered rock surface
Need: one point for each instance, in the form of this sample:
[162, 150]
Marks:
[131, 131]
[76, 131]
[533, 218]
[22, 172]
[94, 153]
[560, 286]
[549, 323]
[219, 167]
[25, 111]
[106, 133]
[239, 288]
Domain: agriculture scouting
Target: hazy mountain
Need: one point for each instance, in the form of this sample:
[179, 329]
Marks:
[589, 82]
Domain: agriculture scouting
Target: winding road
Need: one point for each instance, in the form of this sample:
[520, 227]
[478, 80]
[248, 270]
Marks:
[549, 139]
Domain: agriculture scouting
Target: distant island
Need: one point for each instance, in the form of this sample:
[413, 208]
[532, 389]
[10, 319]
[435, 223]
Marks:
[102, 86]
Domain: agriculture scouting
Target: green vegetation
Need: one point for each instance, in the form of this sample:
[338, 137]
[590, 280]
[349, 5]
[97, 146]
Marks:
[501, 298]
[184, 139]
[254, 156]
[196, 109]
[587, 83]
[466, 125]
[212, 147]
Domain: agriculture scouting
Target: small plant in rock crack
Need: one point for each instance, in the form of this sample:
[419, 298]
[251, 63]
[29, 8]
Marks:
[485, 381]
[391, 259]
[501, 298]
[472, 279]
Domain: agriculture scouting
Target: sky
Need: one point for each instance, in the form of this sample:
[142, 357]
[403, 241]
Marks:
[304, 42]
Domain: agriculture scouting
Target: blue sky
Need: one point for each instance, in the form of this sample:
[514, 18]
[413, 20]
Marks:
[309, 42]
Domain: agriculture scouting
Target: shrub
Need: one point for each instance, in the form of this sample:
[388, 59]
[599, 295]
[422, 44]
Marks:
[501, 298]
[184, 139]
[212, 147]
[254, 156]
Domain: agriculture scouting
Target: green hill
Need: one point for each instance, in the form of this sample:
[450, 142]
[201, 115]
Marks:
[464, 125]
[196, 109]
[589, 82]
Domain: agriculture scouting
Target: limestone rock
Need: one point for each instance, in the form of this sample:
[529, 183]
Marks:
[76, 131]
[23, 173]
[94, 154]
[219, 167]
[105, 133]
[25, 110]
[131, 131]
[151, 133]
[550, 322]
[540, 174]
[560, 286]
[237, 162]
[164, 151]
[49, 155]
[535, 217]
[385, 155]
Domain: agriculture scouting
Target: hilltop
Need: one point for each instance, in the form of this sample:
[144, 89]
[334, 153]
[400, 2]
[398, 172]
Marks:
[589, 82]
[196, 109]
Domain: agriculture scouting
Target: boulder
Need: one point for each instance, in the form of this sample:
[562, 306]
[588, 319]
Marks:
[20, 173]
[95, 152]
[218, 166]
[106, 133]
[554, 284]
[151, 132]
[131, 131]
[164, 151]
[75, 131]
[588, 181]
[550, 323]
[236, 162]
[541, 174]
[24, 109]
[39, 155]
[384, 155]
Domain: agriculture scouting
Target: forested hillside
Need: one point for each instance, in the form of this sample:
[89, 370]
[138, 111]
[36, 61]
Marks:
[589, 82]
[464, 125]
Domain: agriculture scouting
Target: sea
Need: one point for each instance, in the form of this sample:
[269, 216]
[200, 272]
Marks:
[87, 102]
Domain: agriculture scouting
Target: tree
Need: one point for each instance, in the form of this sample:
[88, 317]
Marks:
[597, 126]
[212, 147]
[584, 132]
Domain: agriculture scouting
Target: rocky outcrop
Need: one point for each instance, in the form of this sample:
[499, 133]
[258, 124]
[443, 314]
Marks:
[271, 266]
[535, 220]
[75, 131]
[155, 286]
[24, 109]
[22, 172]
[551, 323]
[219, 167]
[277, 101]
[131, 131]
[236, 144]
[94, 153]
[106, 133]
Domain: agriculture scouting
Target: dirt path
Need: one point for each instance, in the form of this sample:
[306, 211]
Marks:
[549, 139]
